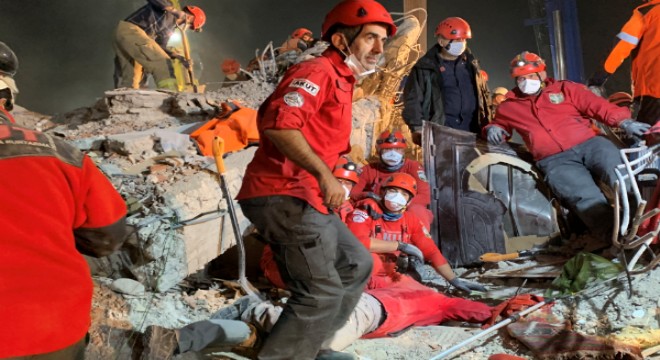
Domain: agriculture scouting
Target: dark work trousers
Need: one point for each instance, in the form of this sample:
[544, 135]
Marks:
[323, 265]
[73, 352]
[649, 109]
[573, 175]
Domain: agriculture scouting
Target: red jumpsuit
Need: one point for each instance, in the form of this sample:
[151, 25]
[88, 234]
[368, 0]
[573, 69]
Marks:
[372, 175]
[55, 205]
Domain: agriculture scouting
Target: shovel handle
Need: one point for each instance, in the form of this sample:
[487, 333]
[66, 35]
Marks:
[218, 151]
[495, 257]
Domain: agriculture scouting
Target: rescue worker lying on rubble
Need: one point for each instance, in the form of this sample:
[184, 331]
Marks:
[553, 118]
[391, 147]
[299, 41]
[387, 229]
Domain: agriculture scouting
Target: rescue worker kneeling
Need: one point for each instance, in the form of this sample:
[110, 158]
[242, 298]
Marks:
[387, 229]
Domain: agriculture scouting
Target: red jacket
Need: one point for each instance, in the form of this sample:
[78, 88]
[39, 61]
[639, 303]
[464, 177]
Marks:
[372, 176]
[557, 119]
[314, 97]
[55, 204]
[408, 229]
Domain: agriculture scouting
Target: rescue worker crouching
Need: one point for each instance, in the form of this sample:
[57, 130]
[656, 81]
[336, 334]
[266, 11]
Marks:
[141, 41]
[391, 146]
[387, 229]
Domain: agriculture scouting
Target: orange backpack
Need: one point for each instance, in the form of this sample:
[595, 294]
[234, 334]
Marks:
[237, 126]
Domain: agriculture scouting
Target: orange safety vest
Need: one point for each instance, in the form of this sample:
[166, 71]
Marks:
[641, 37]
[237, 126]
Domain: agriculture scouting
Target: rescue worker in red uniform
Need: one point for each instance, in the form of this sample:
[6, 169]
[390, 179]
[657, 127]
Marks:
[387, 229]
[391, 147]
[288, 187]
[640, 36]
[55, 205]
[553, 119]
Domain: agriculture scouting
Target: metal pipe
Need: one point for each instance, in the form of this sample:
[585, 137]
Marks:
[560, 67]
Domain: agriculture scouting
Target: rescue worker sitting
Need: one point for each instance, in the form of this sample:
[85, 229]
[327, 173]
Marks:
[141, 40]
[391, 146]
[387, 229]
[553, 119]
[346, 173]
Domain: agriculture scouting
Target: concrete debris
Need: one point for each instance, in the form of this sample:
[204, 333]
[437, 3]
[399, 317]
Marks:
[128, 287]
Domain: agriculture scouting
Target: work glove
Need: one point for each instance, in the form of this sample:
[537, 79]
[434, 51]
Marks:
[371, 207]
[634, 128]
[183, 60]
[466, 286]
[598, 79]
[411, 250]
[496, 135]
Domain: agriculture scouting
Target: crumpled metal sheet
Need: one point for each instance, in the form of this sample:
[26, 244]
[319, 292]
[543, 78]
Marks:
[482, 194]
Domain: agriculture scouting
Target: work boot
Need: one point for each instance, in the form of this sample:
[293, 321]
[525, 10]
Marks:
[159, 343]
[327, 354]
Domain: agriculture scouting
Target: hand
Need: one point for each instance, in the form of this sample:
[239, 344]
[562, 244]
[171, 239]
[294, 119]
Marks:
[598, 79]
[183, 60]
[496, 135]
[417, 138]
[634, 128]
[466, 286]
[411, 250]
[371, 207]
[333, 193]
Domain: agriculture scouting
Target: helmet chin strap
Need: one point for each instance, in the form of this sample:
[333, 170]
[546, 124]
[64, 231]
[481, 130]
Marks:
[448, 46]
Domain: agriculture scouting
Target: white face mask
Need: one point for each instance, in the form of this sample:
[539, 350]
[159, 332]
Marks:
[348, 191]
[456, 48]
[391, 157]
[530, 86]
[359, 71]
[395, 201]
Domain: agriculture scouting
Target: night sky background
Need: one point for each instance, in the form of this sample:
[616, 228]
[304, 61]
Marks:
[66, 56]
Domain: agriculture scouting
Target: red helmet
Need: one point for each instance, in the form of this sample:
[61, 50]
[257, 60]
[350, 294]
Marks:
[402, 181]
[230, 66]
[454, 28]
[299, 33]
[355, 13]
[620, 98]
[346, 170]
[391, 140]
[200, 17]
[526, 63]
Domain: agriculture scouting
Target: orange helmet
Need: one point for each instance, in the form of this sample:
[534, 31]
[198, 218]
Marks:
[454, 28]
[346, 170]
[620, 98]
[526, 63]
[355, 13]
[200, 17]
[484, 74]
[402, 181]
[299, 33]
[391, 140]
[230, 66]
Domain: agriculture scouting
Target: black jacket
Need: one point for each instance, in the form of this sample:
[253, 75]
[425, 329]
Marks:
[155, 21]
[422, 95]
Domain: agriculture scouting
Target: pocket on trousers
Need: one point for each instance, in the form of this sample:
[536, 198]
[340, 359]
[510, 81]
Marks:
[307, 259]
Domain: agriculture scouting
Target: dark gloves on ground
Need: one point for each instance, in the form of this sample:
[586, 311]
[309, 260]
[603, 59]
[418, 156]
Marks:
[598, 78]
[634, 128]
[466, 286]
[496, 135]
[411, 250]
